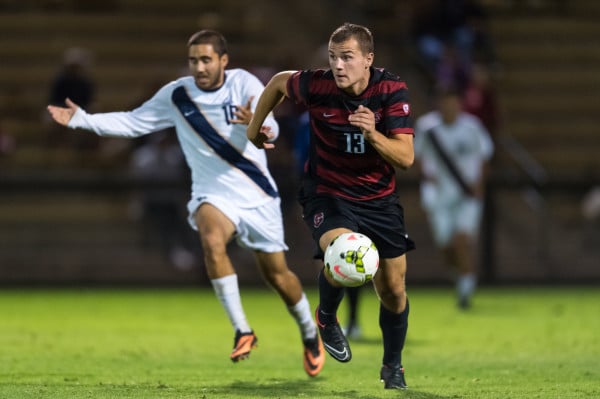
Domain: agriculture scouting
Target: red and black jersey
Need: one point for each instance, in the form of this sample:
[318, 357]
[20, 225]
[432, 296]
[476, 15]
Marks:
[341, 162]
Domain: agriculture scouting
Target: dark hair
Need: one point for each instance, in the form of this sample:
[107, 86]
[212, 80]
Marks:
[362, 34]
[207, 36]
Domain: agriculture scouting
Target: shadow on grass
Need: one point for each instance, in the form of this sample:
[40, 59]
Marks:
[376, 341]
[366, 340]
[306, 388]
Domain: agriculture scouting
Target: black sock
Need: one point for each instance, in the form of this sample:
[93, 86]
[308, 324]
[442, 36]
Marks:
[393, 328]
[329, 299]
[352, 293]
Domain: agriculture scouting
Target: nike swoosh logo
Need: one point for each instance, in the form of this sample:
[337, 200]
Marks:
[188, 113]
[326, 115]
[311, 365]
[342, 355]
[338, 270]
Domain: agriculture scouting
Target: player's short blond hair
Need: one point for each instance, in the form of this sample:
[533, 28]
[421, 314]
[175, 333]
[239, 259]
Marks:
[362, 34]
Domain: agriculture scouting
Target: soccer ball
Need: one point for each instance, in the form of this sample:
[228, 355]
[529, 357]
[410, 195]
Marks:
[351, 259]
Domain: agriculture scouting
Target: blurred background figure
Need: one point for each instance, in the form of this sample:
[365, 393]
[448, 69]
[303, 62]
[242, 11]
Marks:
[480, 98]
[159, 161]
[590, 210]
[7, 141]
[301, 144]
[73, 81]
[352, 329]
[449, 35]
[453, 149]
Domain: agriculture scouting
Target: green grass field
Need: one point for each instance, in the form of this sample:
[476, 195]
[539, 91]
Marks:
[151, 343]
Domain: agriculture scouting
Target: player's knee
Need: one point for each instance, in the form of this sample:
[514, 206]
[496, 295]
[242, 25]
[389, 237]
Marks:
[394, 298]
[214, 248]
[276, 278]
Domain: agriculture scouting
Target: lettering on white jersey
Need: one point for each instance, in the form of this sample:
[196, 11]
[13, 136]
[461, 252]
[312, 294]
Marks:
[228, 109]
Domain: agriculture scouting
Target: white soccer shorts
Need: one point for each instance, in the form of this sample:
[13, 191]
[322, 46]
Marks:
[259, 228]
[458, 217]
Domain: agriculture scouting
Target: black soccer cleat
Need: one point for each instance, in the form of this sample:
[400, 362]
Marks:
[393, 378]
[334, 341]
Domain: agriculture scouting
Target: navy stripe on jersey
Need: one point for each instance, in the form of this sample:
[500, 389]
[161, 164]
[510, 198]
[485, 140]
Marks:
[229, 153]
[341, 162]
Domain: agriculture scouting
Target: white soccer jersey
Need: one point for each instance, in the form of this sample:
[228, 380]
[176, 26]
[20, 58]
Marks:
[223, 162]
[468, 145]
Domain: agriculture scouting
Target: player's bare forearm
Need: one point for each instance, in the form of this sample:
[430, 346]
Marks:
[398, 149]
[274, 93]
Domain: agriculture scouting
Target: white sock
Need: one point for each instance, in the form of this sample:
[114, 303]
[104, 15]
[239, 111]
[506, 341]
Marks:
[465, 284]
[227, 290]
[303, 316]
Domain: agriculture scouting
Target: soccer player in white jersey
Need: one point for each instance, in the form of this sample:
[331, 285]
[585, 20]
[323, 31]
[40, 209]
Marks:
[233, 194]
[453, 200]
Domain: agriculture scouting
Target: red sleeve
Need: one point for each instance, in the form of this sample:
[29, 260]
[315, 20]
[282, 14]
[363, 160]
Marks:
[293, 88]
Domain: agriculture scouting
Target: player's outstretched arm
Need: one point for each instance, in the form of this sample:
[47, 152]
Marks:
[63, 115]
[275, 91]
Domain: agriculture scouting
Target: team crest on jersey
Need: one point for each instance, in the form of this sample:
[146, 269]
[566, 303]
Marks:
[377, 117]
[318, 219]
[406, 108]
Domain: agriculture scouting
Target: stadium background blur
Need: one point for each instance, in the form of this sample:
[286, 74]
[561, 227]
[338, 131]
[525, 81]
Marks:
[68, 214]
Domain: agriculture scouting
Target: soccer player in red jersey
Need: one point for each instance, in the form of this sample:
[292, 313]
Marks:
[360, 132]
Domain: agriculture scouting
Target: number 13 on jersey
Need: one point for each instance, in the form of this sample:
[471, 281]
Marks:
[355, 143]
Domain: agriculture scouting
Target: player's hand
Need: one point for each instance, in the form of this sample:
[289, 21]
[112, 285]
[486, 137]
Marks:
[243, 113]
[363, 118]
[63, 115]
[262, 138]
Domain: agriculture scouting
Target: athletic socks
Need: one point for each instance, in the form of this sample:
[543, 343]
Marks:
[329, 300]
[227, 291]
[302, 314]
[393, 328]
[465, 285]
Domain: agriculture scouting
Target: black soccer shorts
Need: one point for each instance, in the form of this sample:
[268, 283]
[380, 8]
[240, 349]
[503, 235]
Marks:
[382, 220]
